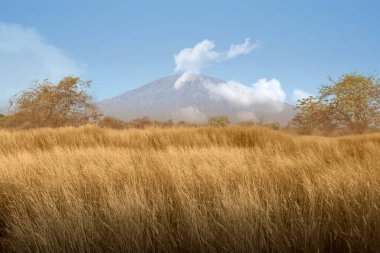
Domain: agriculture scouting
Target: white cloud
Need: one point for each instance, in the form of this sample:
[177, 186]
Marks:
[246, 116]
[239, 49]
[196, 58]
[269, 93]
[192, 60]
[203, 54]
[25, 56]
[185, 77]
[299, 94]
[190, 114]
[266, 92]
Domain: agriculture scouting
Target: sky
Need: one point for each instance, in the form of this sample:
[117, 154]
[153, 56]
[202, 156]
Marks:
[121, 45]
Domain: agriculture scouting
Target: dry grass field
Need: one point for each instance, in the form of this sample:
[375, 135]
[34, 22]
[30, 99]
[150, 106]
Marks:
[233, 189]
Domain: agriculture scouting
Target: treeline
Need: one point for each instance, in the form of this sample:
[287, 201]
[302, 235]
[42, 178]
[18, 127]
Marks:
[350, 104]
[143, 122]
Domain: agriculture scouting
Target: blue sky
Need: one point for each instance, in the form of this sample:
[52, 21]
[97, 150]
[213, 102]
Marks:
[121, 45]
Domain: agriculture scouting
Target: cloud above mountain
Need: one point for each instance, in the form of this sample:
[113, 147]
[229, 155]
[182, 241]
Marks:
[25, 55]
[191, 61]
[240, 49]
[203, 54]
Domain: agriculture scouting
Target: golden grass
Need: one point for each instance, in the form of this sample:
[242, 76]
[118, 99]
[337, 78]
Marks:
[234, 189]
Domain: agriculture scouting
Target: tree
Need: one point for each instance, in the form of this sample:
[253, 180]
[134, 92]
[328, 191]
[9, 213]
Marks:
[352, 101]
[312, 115]
[54, 105]
[218, 121]
[355, 101]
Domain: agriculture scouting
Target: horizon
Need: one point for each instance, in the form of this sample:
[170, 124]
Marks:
[121, 46]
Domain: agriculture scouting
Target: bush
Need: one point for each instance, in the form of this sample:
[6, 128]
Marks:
[141, 122]
[168, 123]
[218, 121]
[110, 122]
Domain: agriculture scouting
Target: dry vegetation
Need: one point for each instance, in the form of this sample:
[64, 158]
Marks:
[232, 189]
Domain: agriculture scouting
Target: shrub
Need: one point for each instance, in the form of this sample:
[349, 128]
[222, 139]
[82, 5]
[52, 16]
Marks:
[141, 122]
[110, 122]
[218, 121]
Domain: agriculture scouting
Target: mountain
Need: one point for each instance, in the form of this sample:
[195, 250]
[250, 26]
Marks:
[190, 99]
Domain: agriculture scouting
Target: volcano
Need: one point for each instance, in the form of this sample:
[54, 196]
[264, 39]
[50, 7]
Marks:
[191, 100]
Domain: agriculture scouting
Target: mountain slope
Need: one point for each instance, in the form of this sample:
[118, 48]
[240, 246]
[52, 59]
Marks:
[192, 101]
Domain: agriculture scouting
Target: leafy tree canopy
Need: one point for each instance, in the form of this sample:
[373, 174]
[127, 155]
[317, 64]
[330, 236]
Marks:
[352, 101]
[54, 105]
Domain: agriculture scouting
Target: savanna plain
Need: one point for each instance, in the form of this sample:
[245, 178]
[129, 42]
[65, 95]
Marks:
[188, 189]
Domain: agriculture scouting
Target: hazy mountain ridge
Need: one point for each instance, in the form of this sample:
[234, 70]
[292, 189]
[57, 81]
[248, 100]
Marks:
[192, 102]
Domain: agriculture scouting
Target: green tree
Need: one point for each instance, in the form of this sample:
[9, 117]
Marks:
[218, 121]
[54, 105]
[352, 101]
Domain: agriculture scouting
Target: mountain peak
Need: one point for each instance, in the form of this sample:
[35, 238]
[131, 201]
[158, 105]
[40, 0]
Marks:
[186, 97]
